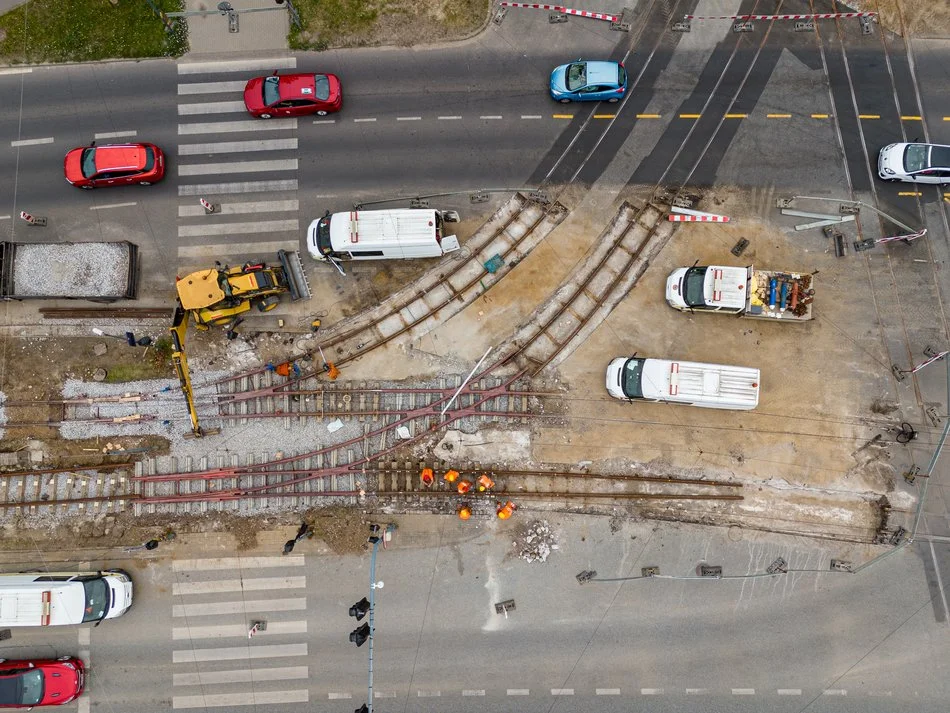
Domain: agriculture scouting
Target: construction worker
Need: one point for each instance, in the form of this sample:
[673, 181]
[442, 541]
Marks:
[464, 512]
[464, 486]
[506, 510]
[485, 483]
[450, 476]
[428, 477]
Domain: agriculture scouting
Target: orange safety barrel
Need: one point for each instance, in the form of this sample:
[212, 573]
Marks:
[450, 476]
[506, 510]
[427, 476]
[485, 483]
[464, 512]
[464, 486]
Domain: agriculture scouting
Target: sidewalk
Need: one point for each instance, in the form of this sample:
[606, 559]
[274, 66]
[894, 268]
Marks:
[257, 31]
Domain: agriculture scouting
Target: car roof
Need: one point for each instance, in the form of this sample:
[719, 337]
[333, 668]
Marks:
[602, 73]
[120, 156]
[297, 86]
[939, 156]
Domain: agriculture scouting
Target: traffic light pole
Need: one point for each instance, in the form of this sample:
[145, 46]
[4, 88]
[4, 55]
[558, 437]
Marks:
[372, 612]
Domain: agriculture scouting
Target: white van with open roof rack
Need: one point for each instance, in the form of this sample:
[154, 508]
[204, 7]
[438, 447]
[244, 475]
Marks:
[63, 598]
[683, 382]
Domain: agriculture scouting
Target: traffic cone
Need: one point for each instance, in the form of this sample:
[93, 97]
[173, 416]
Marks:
[464, 512]
[427, 477]
[464, 486]
[506, 510]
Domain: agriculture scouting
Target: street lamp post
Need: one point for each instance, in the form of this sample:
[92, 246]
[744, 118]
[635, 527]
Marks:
[367, 632]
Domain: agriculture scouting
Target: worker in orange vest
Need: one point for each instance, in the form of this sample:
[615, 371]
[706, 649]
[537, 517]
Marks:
[428, 477]
[450, 476]
[485, 483]
[464, 512]
[464, 486]
[506, 510]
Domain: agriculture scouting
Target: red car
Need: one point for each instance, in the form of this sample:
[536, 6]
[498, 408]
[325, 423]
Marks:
[293, 95]
[41, 682]
[115, 165]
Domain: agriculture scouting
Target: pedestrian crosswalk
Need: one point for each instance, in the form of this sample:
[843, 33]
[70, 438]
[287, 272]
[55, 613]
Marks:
[246, 167]
[215, 663]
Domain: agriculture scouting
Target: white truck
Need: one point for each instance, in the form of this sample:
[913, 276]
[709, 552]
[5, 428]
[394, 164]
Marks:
[63, 598]
[683, 382]
[758, 294]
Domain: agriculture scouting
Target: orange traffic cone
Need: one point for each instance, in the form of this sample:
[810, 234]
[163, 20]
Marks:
[464, 486]
[464, 512]
[427, 477]
[506, 510]
[450, 476]
[485, 483]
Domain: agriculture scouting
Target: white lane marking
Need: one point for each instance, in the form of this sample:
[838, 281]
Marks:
[230, 653]
[607, 691]
[114, 134]
[83, 704]
[214, 189]
[428, 694]
[449, 118]
[789, 691]
[84, 636]
[225, 127]
[208, 565]
[333, 696]
[697, 691]
[743, 691]
[211, 108]
[260, 226]
[192, 211]
[479, 692]
[835, 692]
[252, 698]
[490, 117]
[203, 169]
[242, 675]
[531, 116]
[651, 691]
[32, 142]
[5, 217]
[84, 656]
[362, 120]
[255, 584]
[204, 251]
[225, 631]
[940, 587]
[239, 65]
[878, 694]
[384, 694]
[16, 70]
[408, 118]
[250, 606]
[519, 691]
[211, 87]
[324, 121]
[113, 205]
[237, 146]
[562, 691]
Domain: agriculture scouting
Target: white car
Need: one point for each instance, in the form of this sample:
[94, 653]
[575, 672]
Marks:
[915, 163]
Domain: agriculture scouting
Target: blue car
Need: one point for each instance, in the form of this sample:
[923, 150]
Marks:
[584, 81]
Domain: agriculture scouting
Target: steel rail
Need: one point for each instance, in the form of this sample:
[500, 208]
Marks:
[71, 501]
[106, 312]
[76, 469]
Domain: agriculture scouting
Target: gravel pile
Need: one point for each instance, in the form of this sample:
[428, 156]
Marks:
[71, 269]
[537, 542]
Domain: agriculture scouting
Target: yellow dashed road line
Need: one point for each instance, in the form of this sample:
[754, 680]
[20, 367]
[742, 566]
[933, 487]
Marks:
[736, 116]
[819, 116]
[563, 116]
[909, 193]
[778, 116]
[869, 116]
[648, 116]
[690, 116]
[911, 118]
[605, 116]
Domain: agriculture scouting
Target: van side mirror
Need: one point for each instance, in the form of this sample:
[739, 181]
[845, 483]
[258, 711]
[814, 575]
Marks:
[275, 73]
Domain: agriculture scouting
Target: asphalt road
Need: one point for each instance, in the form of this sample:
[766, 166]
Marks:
[812, 640]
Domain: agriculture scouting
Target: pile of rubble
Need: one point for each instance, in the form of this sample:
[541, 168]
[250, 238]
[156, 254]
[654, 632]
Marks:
[536, 542]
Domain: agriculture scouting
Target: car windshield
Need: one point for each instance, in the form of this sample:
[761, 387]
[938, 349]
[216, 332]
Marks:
[271, 90]
[576, 76]
[621, 75]
[323, 236]
[97, 599]
[915, 157]
[23, 689]
[88, 162]
[149, 159]
[322, 83]
[693, 282]
[630, 378]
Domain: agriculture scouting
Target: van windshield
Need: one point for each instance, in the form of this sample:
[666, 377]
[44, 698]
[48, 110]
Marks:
[693, 282]
[97, 599]
[630, 378]
[323, 236]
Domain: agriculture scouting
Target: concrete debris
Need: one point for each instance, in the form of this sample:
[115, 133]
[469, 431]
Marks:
[76, 269]
[536, 542]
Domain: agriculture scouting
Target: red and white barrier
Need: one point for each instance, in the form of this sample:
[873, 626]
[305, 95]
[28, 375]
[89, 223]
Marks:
[27, 217]
[565, 10]
[814, 16]
[206, 205]
[707, 218]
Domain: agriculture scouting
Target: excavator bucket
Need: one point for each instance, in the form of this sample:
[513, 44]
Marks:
[297, 281]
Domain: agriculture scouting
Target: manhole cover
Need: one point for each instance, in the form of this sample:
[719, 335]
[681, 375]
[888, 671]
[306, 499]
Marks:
[99, 375]
[735, 533]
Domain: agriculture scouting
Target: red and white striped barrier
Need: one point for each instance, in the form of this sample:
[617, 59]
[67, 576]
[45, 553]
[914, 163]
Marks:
[709, 218]
[814, 16]
[27, 217]
[565, 10]
[206, 205]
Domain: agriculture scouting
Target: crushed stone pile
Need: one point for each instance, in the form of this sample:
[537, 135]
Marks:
[536, 542]
[71, 269]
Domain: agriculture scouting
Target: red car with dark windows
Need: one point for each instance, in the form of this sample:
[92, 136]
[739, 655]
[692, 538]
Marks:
[293, 95]
[40, 682]
[115, 165]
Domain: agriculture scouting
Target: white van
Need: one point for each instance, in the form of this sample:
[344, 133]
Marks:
[381, 234]
[61, 598]
[683, 382]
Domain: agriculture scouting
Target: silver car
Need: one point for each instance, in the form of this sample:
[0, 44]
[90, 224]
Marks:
[914, 163]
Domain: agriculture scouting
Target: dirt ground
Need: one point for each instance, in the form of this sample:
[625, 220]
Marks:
[914, 18]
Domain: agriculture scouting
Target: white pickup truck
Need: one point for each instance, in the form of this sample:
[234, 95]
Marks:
[758, 294]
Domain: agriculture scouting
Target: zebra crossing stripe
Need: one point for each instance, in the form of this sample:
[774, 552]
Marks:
[211, 108]
[201, 252]
[238, 585]
[250, 606]
[242, 675]
[235, 562]
[228, 127]
[225, 631]
[239, 65]
[193, 211]
[231, 653]
[215, 189]
[237, 147]
[210, 88]
[252, 698]
[217, 169]
[260, 226]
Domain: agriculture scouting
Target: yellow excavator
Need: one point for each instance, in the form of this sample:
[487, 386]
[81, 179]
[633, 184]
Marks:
[217, 296]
